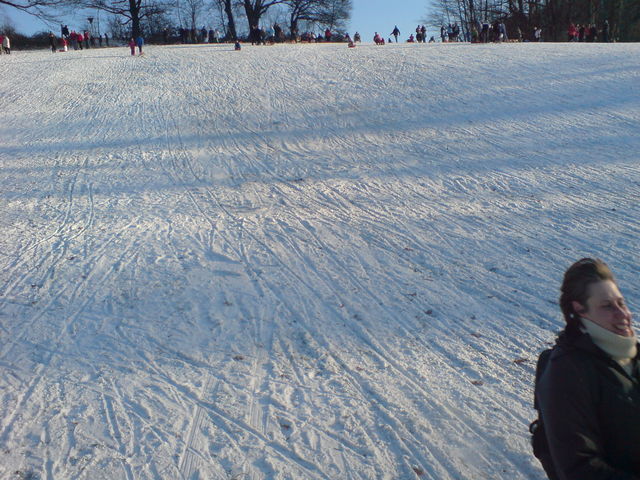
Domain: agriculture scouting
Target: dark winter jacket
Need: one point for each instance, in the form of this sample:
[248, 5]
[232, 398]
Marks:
[591, 411]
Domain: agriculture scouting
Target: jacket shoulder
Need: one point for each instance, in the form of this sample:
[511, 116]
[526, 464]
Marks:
[568, 364]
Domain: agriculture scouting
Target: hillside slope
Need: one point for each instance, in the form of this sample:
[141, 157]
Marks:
[299, 261]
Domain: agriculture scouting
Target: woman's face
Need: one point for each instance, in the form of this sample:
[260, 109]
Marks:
[606, 308]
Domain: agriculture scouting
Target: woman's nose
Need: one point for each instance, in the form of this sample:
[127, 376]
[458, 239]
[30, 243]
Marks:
[622, 312]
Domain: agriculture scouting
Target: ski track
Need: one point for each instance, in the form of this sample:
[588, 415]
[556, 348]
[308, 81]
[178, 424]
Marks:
[301, 261]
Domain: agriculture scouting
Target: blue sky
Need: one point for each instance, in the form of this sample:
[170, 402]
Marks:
[368, 17]
[381, 16]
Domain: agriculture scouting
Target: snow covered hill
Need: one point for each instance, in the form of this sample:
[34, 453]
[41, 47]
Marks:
[299, 261]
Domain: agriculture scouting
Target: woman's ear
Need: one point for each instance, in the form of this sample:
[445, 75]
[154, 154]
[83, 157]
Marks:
[577, 307]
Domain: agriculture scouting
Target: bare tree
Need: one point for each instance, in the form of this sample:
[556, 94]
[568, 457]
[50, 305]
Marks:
[44, 9]
[254, 9]
[301, 10]
[225, 8]
[335, 14]
[192, 10]
[115, 26]
[328, 13]
[34, 7]
[133, 11]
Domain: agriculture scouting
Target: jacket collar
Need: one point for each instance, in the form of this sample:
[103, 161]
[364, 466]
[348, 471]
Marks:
[582, 341]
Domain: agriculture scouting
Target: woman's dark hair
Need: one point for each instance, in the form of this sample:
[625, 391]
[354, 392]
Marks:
[575, 286]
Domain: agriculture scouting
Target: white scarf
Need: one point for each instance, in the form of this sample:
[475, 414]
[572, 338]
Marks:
[621, 349]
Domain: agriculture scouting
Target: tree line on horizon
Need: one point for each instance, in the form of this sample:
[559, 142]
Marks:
[153, 18]
[553, 16]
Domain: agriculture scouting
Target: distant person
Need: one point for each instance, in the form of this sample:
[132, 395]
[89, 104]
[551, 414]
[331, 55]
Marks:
[605, 32]
[327, 35]
[277, 33]
[52, 42]
[1, 40]
[537, 34]
[254, 36]
[475, 36]
[455, 30]
[484, 32]
[132, 46]
[588, 389]
[140, 43]
[106, 39]
[6, 44]
[396, 33]
[503, 32]
[237, 47]
[356, 37]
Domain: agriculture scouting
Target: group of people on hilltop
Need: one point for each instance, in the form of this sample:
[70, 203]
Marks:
[587, 32]
[193, 35]
[5, 43]
[276, 34]
[77, 40]
[485, 32]
[136, 42]
[419, 37]
[450, 33]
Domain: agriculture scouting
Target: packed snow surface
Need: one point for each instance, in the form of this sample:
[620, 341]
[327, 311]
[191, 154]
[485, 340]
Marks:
[299, 261]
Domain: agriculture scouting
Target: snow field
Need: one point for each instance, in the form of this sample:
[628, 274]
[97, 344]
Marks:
[299, 261]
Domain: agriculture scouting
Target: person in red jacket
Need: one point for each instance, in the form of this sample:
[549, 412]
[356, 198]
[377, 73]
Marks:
[132, 46]
[80, 39]
[572, 32]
